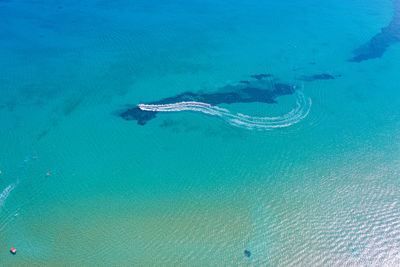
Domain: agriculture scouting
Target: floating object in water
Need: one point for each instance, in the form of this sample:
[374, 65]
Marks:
[0, 171]
[47, 173]
[13, 251]
[247, 253]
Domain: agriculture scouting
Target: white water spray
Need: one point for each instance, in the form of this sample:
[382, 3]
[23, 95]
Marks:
[6, 192]
[301, 111]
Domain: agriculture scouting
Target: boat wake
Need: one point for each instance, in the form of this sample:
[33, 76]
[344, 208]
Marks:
[6, 192]
[301, 111]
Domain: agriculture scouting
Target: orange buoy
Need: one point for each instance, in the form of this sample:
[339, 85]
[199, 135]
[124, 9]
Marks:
[13, 251]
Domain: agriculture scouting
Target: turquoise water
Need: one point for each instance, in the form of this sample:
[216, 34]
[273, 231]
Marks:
[188, 188]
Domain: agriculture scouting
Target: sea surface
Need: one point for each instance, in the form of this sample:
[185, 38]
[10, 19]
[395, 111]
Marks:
[200, 184]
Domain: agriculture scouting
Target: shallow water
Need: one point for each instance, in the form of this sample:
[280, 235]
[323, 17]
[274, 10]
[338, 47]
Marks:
[80, 185]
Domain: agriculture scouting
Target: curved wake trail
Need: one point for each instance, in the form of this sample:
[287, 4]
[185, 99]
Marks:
[6, 218]
[301, 111]
[6, 192]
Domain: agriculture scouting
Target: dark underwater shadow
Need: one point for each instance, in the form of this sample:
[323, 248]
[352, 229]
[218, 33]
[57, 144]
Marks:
[379, 43]
[261, 89]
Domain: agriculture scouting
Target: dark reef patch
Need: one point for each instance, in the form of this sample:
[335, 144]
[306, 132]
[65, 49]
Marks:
[323, 76]
[141, 116]
[260, 76]
[257, 91]
[245, 82]
[378, 44]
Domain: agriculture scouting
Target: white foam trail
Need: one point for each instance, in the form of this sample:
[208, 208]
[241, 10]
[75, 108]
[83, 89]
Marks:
[301, 111]
[6, 192]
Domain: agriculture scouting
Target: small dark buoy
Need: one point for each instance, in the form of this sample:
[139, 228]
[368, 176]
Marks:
[247, 253]
[13, 251]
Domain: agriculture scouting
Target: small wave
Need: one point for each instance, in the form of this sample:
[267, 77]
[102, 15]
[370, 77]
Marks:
[6, 192]
[301, 111]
